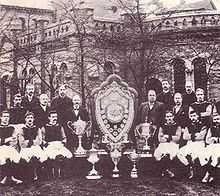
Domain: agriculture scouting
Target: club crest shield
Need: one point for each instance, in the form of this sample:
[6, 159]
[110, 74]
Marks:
[114, 109]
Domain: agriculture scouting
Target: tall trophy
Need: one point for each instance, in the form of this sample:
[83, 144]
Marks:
[134, 158]
[78, 127]
[115, 155]
[93, 158]
[145, 130]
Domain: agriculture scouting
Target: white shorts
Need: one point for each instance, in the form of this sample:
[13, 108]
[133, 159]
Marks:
[8, 152]
[168, 148]
[212, 151]
[33, 151]
[57, 148]
[195, 150]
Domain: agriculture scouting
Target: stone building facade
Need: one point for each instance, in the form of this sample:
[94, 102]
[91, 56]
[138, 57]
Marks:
[47, 53]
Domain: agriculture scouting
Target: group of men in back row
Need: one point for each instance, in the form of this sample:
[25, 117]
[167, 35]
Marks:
[35, 136]
[187, 131]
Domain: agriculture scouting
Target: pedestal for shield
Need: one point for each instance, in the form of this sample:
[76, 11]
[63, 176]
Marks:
[114, 105]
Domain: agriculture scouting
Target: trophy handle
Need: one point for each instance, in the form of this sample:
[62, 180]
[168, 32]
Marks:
[71, 126]
[88, 129]
[137, 133]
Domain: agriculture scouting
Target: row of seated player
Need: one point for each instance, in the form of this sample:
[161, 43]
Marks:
[46, 146]
[31, 146]
[196, 147]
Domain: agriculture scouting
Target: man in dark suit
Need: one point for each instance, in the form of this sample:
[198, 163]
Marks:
[166, 96]
[41, 111]
[61, 104]
[76, 112]
[180, 111]
[151, 111]
[189, 96]
[29, 101]
[181, 115]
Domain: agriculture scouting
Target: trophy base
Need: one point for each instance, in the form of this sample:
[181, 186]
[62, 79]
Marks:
[146, 155]
[134, 174]
[115, 175]
[80, 153]
[93, 177]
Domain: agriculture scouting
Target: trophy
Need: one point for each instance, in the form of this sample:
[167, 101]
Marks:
[93, 158]
[78, 128]
[115, 156]
[147, 131]
[134, 157]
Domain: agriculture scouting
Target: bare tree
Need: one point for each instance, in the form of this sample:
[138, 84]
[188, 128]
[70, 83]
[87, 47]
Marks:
[139, 40]
[85, 57]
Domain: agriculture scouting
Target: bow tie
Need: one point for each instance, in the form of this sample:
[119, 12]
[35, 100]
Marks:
[76, 109]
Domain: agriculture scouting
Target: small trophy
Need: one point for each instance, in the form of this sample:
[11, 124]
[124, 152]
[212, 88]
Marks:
[78, 128]
[115, 155]
[134, 158]
[93, 158]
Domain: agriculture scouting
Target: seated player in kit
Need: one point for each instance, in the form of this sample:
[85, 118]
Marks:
[9, 156]
[30, 140]
[212, 151]
[169, 135]
[194, 134]
[54, 140]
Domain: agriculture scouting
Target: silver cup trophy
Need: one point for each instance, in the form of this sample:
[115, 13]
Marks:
[145, 130]
[134, 158]
[115, 155]
[78, 127]
[93, 158]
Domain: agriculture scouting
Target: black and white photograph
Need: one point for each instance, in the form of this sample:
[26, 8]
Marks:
[109, 97]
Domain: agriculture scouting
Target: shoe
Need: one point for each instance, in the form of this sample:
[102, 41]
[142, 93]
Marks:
[3, 181]
[206, 178]
[170, 173]
[16, 181]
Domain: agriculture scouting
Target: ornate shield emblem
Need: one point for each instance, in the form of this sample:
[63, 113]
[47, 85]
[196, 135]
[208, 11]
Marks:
[114, 109]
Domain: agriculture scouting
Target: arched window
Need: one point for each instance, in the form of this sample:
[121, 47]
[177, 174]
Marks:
[179, 74]
[200, 74]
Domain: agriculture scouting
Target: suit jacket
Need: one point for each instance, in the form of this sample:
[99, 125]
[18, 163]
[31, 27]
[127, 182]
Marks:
[167, 99]
[82, 114]
[154, 115]
[61, 105]
[72, 140]
[218, 106]
[41, 116]
[30, 105]
[188, 99]
[181, 117]
[17, 115]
